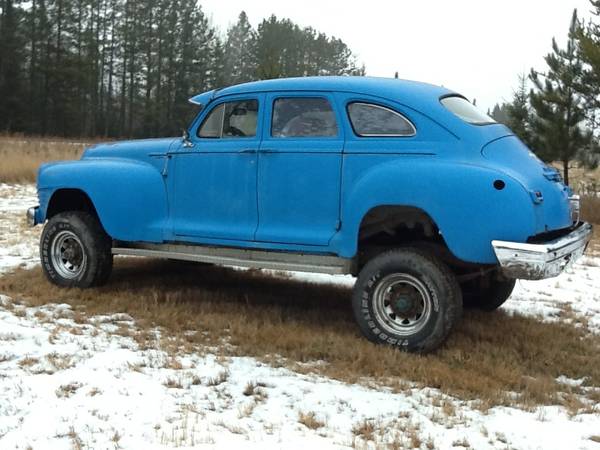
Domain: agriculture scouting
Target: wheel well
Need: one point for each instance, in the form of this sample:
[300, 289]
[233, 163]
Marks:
[384, 227]
[70, 200]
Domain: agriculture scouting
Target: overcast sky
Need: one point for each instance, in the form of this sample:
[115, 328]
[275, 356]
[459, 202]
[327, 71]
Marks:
[476, 47]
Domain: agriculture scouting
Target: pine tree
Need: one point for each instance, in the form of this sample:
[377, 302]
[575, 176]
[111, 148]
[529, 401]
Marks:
[589, 45]
[519, 114]
[499, 113]
[239, 63]
[10, 66]
[127, 67]
[557, 123]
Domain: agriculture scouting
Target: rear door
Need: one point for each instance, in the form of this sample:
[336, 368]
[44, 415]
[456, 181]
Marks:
[299, 169]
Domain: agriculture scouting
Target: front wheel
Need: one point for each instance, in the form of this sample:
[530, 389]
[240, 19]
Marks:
[75, 250]
[407, 298]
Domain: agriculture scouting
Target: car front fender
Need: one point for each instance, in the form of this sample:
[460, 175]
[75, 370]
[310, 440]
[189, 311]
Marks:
[129, 196]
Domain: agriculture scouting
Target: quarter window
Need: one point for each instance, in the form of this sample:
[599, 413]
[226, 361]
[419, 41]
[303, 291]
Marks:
[231, 120]
[371, 120]
[464, 109]
[303, 117]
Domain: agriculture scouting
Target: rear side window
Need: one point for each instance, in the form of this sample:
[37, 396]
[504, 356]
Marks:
[303, 117]
[231, 120]
[371, 120]
[464, 109]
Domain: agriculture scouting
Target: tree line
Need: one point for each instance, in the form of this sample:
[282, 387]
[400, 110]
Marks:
[120, 68]
[556, 112]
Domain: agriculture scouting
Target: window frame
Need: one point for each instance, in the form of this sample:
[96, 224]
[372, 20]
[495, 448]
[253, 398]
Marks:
[303, 96]
[223, 104]
[379, 135]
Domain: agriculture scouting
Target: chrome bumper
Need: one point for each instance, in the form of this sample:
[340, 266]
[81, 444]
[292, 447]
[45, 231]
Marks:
[31, 216]
[538, 261]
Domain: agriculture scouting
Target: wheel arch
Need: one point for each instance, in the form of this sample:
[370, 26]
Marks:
[69, 199]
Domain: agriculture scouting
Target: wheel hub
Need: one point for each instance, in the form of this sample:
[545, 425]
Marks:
[402, 303]
[68, 257]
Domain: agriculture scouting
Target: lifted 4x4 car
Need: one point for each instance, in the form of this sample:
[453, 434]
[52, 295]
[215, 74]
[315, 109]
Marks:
[428, 201]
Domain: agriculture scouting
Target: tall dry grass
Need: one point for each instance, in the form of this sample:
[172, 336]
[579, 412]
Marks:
[21, 157]
[590, 209]
[491, 358]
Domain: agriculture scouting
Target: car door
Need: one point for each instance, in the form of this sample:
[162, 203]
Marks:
[299, 169]
[213, 186]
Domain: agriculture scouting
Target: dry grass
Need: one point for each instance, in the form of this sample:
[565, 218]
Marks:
[21, 157]
[590, 209]
[66, 390]
[365, 429]
[310, 420]
[488, 355]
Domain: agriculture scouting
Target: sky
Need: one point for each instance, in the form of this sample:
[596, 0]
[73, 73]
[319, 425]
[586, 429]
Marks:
[475, 47]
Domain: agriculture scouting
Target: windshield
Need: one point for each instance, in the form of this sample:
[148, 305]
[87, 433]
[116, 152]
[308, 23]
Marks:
[464, 109]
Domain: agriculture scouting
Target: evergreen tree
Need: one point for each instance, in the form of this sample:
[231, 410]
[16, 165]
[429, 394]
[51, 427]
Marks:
[518, 112]
[499, 113]
[283, 49]
[127, 67]
[239, 53]
[589, 45]
[557, 123]
[11, 66]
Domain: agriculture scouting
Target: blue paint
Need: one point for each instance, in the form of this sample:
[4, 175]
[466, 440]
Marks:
[311, 194]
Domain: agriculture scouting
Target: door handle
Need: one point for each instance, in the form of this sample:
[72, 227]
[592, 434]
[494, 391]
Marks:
[248, 151]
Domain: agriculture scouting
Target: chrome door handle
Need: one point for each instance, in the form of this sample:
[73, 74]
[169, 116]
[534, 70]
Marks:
[248, 151]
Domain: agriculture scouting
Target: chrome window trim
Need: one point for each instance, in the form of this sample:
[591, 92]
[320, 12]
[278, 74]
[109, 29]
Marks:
[375, 105]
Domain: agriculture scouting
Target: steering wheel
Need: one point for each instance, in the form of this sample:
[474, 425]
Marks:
[235, 131]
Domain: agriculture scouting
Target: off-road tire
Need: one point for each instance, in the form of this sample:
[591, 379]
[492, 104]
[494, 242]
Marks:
[490, 297]
[93, 246]
[430, 276]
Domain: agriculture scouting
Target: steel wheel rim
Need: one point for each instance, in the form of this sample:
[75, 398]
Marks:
[67, 254]
[402, 304]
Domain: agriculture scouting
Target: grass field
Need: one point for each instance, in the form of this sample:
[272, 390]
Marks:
[489, 358]
[21, 156]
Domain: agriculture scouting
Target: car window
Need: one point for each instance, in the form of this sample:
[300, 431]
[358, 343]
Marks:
[371, 120]
[303, 117]
[464, 109]
[231, 120]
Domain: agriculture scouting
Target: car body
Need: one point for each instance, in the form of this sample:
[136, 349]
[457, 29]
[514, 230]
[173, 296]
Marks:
[322, 173]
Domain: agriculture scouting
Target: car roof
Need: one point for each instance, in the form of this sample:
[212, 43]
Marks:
[406, 91]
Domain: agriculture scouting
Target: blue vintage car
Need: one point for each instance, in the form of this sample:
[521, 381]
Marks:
[430, 202]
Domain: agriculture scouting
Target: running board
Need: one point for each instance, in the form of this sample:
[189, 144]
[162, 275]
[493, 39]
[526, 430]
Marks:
[259, 259]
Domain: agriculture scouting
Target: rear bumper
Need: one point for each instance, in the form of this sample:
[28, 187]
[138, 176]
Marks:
[546, 260]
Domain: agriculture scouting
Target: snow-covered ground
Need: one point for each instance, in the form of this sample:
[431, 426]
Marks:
[66, 384]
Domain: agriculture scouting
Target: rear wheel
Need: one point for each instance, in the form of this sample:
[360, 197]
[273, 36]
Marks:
[488, 294]
[75, 250]
[407, 298]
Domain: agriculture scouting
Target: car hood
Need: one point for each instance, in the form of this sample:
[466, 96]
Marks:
[136, 149]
